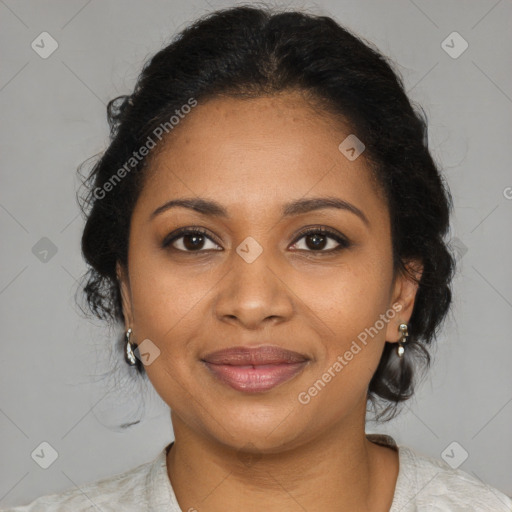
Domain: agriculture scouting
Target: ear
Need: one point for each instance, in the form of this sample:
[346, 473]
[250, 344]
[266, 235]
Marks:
[124, 285]
[404, 294]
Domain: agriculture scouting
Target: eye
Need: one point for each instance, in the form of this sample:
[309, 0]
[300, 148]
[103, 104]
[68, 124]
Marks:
[189, 240]
[317, 240]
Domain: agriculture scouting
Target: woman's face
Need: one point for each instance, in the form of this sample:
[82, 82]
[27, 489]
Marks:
[254, 279]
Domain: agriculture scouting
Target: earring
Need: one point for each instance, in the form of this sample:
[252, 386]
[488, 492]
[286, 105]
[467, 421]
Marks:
[403, 338]
[128, 351]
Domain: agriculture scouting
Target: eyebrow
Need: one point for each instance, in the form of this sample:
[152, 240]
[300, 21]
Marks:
[297, 207]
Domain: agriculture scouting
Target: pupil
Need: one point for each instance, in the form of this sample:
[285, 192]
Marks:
[198, 239]
[319, 241]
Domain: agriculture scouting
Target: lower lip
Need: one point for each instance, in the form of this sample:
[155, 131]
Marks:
[254, 379]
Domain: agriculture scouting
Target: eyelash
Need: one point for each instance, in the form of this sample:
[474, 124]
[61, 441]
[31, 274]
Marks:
[180, 233]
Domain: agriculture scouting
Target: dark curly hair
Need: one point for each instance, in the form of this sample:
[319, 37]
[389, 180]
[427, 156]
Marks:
[248, 52]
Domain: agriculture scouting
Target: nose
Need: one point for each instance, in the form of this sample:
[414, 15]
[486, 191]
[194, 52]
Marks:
[254, 294]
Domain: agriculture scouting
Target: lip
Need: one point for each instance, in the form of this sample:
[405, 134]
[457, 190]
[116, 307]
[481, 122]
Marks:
[265, 354]
[255, 369]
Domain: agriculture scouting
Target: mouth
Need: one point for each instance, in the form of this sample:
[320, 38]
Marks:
[253, 370]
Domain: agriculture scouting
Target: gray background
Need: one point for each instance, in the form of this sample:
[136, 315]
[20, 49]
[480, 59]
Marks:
[53, 113]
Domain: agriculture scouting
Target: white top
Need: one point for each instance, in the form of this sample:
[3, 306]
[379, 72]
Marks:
[423, 484]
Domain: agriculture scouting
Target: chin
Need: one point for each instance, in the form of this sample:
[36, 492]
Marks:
[261, 429]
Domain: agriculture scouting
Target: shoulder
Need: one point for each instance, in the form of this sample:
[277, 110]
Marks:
[426, 483]
[123, 491]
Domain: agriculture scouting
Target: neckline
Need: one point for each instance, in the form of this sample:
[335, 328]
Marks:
[159, 478]
[404, 458]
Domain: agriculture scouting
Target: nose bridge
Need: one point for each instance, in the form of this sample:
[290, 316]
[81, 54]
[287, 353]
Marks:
[253, 290]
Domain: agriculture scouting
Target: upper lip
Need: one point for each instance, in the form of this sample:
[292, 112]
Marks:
[266, 354]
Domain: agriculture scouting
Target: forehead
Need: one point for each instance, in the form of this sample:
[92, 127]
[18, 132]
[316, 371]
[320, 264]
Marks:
[256, 153]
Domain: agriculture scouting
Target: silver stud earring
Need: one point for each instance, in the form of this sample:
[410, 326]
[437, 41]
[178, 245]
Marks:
[403, 338]
[128, 352]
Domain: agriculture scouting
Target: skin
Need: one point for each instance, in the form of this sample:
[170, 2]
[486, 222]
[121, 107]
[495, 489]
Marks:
[265, 451]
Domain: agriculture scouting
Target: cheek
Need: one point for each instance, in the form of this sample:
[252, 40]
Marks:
[165, 308]
[351, 297]
[352, 346]
[164, 296]
[353, 305]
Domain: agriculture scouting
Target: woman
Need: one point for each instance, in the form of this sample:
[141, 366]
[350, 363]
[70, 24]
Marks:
[267, 224]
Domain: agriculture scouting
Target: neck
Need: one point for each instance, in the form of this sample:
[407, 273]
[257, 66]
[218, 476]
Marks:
[340, 470]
